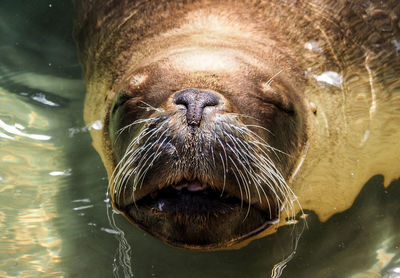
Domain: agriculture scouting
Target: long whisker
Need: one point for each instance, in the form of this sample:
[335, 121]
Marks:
[269, 82]
[261, 127]
[152, 107]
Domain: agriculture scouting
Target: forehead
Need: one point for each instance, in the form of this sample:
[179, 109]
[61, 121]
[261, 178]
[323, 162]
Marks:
[205, 60]
[203, 66]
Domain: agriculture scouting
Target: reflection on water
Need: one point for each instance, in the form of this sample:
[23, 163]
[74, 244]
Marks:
[40, 94]
[55, 219]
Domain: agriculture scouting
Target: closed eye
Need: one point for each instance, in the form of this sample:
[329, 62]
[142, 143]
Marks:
[278, 102]
[121, 99]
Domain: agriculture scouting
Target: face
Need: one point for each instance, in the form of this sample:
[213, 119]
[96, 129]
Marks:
[203, 144]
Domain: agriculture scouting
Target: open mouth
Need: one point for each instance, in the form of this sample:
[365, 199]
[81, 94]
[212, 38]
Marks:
[194, 215]
[189, 198]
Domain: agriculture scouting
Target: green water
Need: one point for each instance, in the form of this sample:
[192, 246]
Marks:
[55, 220]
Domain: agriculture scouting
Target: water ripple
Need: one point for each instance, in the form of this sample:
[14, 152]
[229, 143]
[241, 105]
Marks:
[16, 130]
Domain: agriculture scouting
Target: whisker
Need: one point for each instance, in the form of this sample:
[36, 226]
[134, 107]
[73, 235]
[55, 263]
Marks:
[225, 171]
[151, 107]
[240, 189]
[243, 116]
[269, 82]
[261, 127]
[128, 126]
[156, 154]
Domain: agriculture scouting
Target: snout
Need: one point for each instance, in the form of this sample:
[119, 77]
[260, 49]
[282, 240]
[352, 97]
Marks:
[191, 166]
[195, 101]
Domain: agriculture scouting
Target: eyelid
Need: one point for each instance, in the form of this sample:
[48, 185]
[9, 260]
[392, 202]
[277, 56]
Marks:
[121, 99]
[275, 95]
[279, 103]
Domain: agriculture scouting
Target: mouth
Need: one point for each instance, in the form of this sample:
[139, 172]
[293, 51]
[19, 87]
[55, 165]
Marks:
[188, 198]
[195, 215]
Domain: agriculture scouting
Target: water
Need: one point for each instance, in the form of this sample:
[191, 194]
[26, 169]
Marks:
[55, 219]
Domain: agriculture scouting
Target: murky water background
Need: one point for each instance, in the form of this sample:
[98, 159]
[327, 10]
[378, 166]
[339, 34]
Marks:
[54, 217]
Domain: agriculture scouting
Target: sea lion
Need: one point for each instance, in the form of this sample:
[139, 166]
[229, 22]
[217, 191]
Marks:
[223, 121]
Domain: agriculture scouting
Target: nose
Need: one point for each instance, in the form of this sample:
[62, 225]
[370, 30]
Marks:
[195, 100]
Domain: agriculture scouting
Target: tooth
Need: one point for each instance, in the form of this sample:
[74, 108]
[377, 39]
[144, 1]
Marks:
[161, 206]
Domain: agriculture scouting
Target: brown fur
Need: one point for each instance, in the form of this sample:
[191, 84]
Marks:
[123, 41]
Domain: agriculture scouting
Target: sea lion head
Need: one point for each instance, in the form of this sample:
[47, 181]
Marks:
[203, 142]
[209, 111]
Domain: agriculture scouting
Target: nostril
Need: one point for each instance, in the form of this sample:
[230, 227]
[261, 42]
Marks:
[196, 97]
[195, 101]
[182, 99]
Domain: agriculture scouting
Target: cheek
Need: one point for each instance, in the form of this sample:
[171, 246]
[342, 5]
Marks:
[267, 114]
[280, 129]
[122, 118]
[124, 115]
